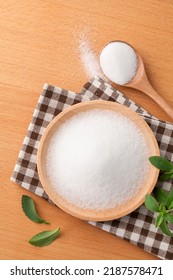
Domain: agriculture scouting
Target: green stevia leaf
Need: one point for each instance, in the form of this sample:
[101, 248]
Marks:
[165, 176]
[160, 195]
[161, 163]
[165, 229]
[162, 208]
[151, 203]
[169, 218]
[44, 238]
[171, 205]
[28, 207]
[169, 201]
[159, 220]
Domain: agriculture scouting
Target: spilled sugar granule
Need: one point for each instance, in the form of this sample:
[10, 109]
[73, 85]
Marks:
[97, 160]
[89, 58]
[119, 62]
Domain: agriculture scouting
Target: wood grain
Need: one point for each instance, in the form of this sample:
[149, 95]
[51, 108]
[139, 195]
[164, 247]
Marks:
[39, 43]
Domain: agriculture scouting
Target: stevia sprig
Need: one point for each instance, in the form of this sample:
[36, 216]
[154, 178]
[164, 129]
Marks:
[164, 165]
[162, 202]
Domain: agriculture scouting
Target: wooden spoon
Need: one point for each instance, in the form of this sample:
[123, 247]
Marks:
[141, 82]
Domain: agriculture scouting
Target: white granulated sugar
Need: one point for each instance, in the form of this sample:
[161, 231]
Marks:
[119, 62]
[97, 159]
[89, 58]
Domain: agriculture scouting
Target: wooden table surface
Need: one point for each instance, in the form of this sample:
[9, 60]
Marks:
[39, 42]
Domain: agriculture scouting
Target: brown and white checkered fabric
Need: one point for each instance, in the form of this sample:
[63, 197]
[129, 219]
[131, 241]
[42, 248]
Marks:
[138, 227]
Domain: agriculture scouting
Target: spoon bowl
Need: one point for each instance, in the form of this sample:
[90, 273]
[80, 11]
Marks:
[140, 82]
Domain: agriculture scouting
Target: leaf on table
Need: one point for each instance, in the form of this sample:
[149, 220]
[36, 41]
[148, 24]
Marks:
[161, 163]
[44, 238]
[151, 203]
[28, 207]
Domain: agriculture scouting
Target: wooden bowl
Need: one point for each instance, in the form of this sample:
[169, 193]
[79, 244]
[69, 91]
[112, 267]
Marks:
[87, 214]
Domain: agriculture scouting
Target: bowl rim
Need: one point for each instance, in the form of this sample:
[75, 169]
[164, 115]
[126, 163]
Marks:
[88, 214]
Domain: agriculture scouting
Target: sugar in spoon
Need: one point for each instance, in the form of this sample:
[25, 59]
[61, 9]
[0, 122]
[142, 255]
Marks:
[121, 64]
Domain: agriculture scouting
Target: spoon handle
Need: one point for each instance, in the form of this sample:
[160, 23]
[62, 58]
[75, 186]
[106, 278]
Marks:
[148, 89]
[160, 101]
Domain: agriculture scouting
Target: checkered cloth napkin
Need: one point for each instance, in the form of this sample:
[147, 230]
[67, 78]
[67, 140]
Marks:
[138, 227]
